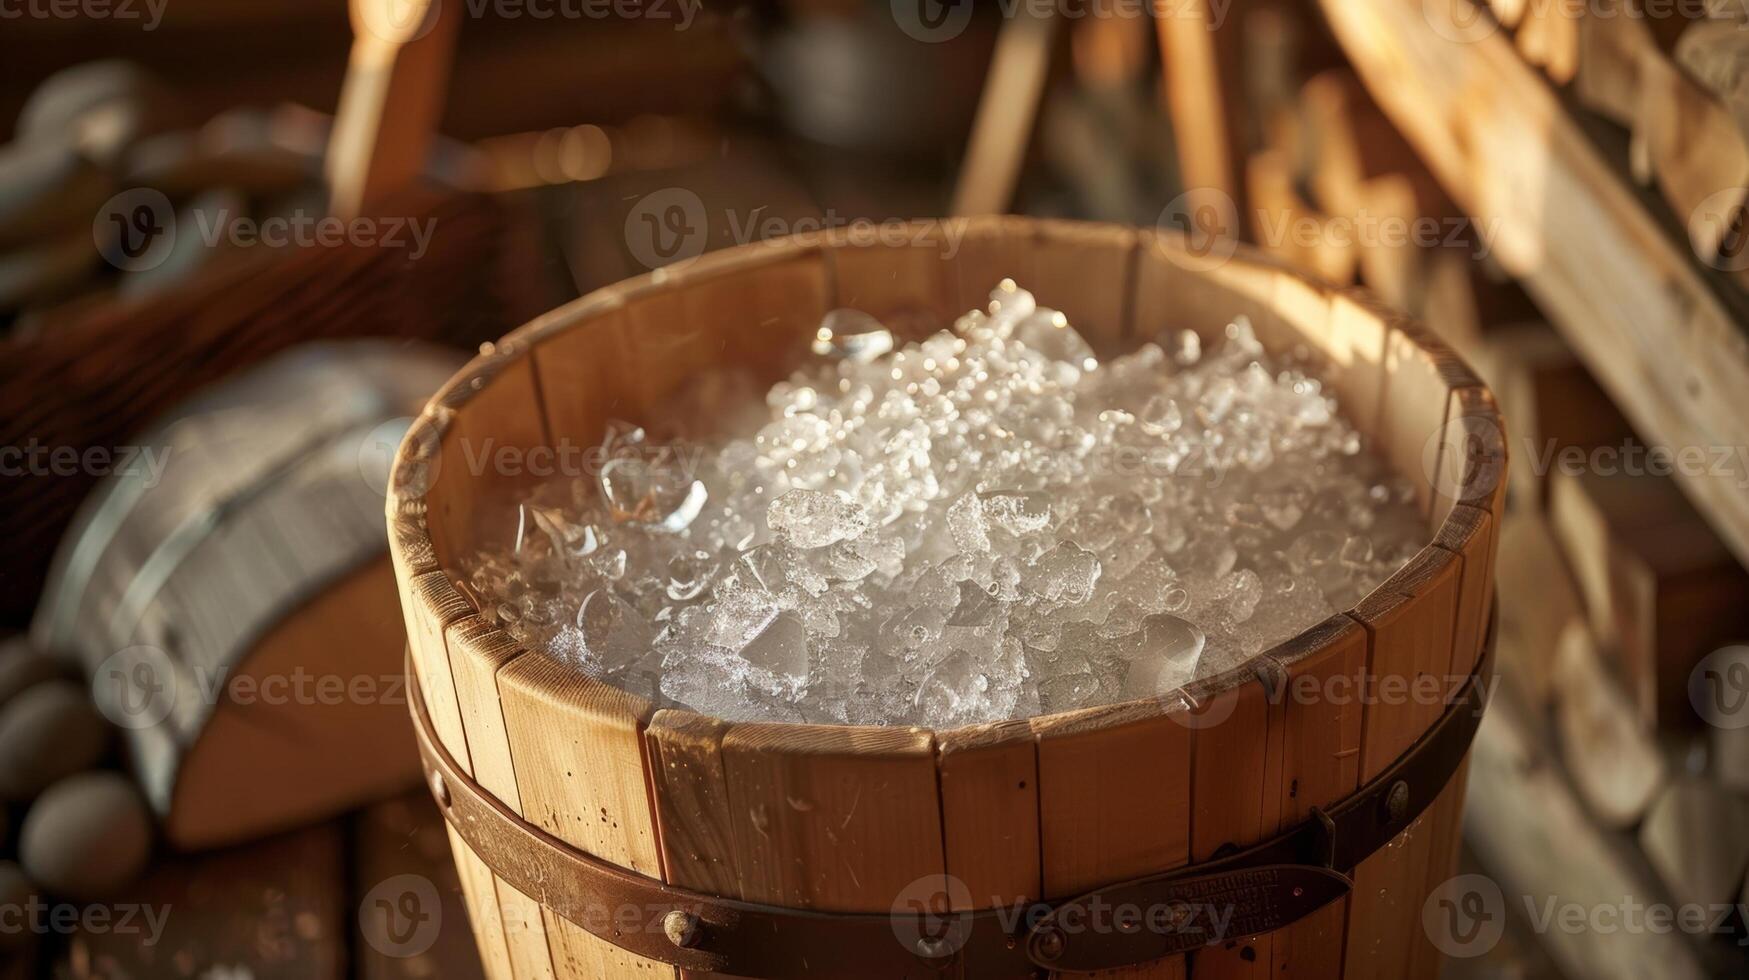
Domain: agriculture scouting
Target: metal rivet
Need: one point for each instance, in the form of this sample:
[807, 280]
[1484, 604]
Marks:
[933, 947]
[1397, 801]
[682, 929]
[1048, 945]
[439, 789]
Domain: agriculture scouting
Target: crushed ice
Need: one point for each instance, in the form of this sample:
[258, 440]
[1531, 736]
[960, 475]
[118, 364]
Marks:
[988, 524]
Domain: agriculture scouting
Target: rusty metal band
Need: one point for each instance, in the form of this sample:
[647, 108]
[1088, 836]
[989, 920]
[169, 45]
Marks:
[1238, 896]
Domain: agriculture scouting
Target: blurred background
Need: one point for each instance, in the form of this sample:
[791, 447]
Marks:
[240, 242]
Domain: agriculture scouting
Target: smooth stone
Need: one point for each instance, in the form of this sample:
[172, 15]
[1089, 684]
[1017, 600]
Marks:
[87, 837]
[22, 667]
[48, 732]
[106, 105]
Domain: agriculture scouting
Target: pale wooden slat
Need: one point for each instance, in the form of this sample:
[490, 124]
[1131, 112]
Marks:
[1410, 621]
[1468, 532]
[989, 814]
[578, 750]
[1088, 273]
[914, 289]
[991, 250]
[765, 304]
[478, 888]
[485, 455]
[571, 347]
[431, 604]
[1323, 672]
[525, 933]
[840, 819]
[500, 394]
[1630, 297]
[1230, 762]
[1114, 801]
[1445, 840]
[692, 801]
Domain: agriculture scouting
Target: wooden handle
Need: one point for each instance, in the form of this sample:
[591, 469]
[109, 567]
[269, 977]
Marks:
[395, 81]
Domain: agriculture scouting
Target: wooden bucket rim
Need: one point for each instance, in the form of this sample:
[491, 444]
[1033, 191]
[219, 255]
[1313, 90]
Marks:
[407, 506]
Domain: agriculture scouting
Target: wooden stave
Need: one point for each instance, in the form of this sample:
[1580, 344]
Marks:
[1463, 537]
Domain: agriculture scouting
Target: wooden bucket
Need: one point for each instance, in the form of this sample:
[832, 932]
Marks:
[230, 614]
[569, 800]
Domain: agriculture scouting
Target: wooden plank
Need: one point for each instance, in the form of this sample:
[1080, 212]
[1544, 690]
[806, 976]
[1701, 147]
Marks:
[1609, 751]
[1410, 621]
[578, 748]
[913, 291]
[1323, 671]
[1290, 227]
[1531, 563]
[1549, 403]
[431, 604]
[1199, 57]
[1655, 577]
[391, 101]
[1697, 838]
[1114, 801]
[1469, 534]
[1535, 840]
[1087, 273]
[836, 818]
[1006, 112]
[1230, 742]
[493, 433]
[484, 911]
[1630, 299]
[989, 815]
[692, 801]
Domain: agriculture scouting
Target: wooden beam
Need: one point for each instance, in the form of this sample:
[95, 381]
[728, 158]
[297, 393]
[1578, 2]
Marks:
[1006, 114]
[395, 84]
[1204, 95]
[1630, 298]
